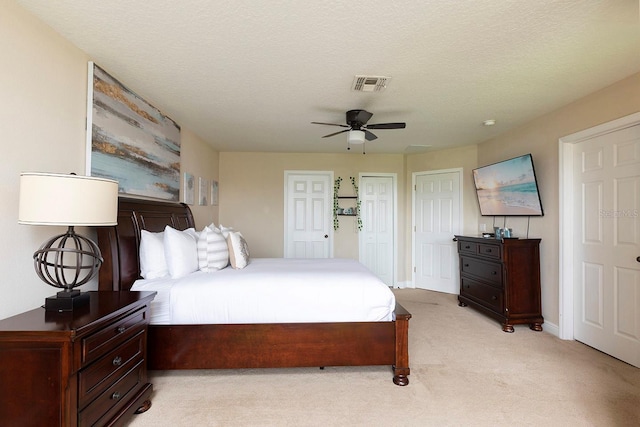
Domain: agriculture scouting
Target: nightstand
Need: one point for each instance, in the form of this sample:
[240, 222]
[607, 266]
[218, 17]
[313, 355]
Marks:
[86, 367]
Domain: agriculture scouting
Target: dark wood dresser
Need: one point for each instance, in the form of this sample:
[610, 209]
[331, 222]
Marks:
[86, 367]
[501, 278]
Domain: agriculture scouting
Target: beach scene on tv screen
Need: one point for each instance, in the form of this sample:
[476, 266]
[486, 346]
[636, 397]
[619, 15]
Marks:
[508, 188]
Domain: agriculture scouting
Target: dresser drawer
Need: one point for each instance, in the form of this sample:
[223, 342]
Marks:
[489, 271]
[489, 251]
[101, 410]
[485, 295]
[98, 376]
[465, 247]
[97, 344]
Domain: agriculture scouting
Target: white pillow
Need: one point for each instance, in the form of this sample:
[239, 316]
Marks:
[213, 253]
[152, 260]
[180, 251]
[225, 230]
[238, 250]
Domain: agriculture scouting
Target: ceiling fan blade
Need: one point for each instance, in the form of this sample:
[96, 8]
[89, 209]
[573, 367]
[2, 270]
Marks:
[387, 126]
[369, 136]
[336, 133]
[363, 116]
[330, 124]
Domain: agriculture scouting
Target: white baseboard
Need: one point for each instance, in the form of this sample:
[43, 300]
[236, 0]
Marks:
[551, 328]
[403, 285]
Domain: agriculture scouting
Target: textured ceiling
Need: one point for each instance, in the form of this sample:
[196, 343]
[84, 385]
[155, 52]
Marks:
[250, 75]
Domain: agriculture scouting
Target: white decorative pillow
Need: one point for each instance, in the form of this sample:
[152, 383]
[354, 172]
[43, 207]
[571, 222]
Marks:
[225, 230]
[180, 251]
[213, 253]
[152, 260]
[238, 250]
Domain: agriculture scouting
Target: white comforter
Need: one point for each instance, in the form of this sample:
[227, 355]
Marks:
[273, 290]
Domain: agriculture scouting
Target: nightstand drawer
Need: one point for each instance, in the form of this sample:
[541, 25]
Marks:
[489, 271]
[101, 410]
[105, 371]
[113, 335]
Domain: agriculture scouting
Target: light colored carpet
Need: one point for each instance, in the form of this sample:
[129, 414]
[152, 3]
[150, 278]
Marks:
[464, 372]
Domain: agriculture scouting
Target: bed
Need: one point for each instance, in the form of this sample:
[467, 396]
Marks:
[236, 345]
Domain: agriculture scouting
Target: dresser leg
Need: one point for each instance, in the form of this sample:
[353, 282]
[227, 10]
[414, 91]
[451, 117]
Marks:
[508, 328]
[462, 304]
[145, 407]
[536, 327]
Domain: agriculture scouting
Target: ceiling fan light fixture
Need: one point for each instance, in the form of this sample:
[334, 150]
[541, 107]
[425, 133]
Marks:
[356, 137]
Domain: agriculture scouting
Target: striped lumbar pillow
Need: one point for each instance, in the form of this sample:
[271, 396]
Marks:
[213, 252]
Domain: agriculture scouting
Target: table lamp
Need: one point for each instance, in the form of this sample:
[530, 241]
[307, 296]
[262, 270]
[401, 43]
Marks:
[68, 260]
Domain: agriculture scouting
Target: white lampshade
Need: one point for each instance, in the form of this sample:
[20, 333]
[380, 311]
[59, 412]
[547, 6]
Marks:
[356, 137]
[70, 200]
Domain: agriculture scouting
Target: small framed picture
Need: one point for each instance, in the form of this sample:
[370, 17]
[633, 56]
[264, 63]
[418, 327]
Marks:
[204, 191]
[214, 193]
[189, 188]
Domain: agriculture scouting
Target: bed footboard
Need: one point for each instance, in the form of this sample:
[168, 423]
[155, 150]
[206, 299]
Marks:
[283, 345]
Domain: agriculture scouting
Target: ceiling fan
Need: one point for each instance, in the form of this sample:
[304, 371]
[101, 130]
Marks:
[358, 128]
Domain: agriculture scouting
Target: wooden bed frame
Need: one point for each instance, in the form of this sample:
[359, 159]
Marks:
[243, 345]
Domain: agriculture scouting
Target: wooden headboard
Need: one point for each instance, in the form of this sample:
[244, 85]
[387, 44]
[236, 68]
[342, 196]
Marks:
[120, 244]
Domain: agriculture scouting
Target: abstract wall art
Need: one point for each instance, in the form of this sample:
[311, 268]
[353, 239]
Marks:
[130, 141]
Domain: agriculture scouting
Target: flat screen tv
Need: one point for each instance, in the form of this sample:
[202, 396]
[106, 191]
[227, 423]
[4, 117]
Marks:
[508, 188]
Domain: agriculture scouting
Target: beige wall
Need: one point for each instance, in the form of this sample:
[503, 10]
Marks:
[43, 82]
[540, 138]
[252, 195]
[200, 160]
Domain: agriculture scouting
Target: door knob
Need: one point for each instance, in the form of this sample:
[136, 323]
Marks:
[638, 259]
[326, 236]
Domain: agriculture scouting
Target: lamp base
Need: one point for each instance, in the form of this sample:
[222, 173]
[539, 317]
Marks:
[66, 301]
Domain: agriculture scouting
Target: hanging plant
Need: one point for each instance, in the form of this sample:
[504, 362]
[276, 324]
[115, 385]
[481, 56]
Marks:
[336, 188]
[355, 188]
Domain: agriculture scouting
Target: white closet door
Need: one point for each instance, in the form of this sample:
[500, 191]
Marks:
[607, 242]
[308, 216]
[378, 223]
[437, 219]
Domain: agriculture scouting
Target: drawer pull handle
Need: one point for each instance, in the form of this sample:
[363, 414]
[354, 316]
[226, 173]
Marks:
[494, 273]
[488, 250]
[115, 395]
[493, 297]
[467, 247]
[117, 361]
[120, 329]
[466, 265]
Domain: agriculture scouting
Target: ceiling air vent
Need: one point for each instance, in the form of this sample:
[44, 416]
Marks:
[370, 83]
